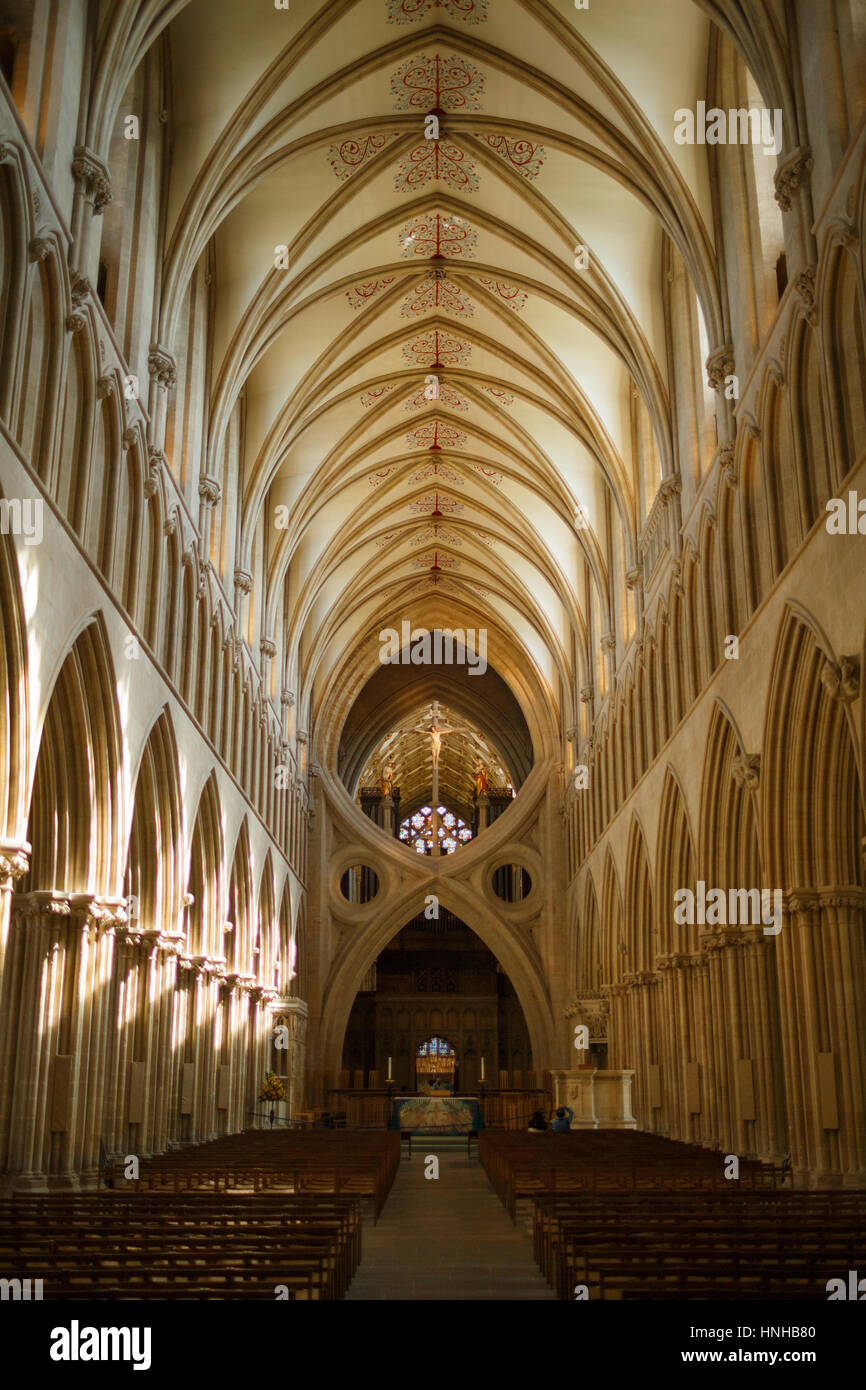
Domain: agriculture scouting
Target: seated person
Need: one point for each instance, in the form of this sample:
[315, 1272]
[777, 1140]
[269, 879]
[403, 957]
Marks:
[561, 1122]
[538, 1124]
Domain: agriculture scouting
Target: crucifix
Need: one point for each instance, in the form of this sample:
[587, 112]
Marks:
[436, 730]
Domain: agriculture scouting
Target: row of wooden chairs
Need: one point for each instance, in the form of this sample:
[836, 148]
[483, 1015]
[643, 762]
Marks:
[124, 1245]
[323, 1162]
[521, 1164]
[699, 1245]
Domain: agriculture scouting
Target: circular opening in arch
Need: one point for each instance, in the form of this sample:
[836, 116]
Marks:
[359, 884]
[511, 883]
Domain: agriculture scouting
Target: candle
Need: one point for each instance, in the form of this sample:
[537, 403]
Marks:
[390, 1078]
[482, 1068]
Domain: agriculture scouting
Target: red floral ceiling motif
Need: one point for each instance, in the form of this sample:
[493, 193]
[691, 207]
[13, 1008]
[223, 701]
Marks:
[440, 160]
[348, 157]
[374, 479]
[359, 295]
[436, 559]
[489, 474]
[435, 502]
[407, 11]
[437, 292]
[432, 83]
[501, 397]
[483, 537]
[387, 540]
[436, 434]
[509, 294]
[438, 468]
[377, 393]
[439, 234]
[440, 535]
[522, 155]
[437, 349]
[447, 396]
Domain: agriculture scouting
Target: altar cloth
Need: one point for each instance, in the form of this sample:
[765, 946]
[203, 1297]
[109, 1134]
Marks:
[436, 1114]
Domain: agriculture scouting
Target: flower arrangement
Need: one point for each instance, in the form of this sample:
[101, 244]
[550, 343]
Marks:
[273, 1089]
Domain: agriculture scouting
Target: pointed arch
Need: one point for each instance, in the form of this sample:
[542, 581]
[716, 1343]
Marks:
[154, 868]
[240, 941]
[206, 914]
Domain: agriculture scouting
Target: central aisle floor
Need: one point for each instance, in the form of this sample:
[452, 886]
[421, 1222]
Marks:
[445, 1238]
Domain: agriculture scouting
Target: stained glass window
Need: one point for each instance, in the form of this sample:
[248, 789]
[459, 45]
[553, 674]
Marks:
[435, 1047]
[417, 830]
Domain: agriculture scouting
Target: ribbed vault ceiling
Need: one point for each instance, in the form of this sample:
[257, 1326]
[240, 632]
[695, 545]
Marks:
[411, 259]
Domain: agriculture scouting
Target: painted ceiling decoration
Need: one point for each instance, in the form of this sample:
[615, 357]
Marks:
[501, 397]
[440, 161]
[436, 434]
[509, 294]
[438, 534]
[377, 393]
[437, 349]
[435, 560]
[361, 295]
[436, 503]
[354, 152]
[437, 468]
[438, 235]
[436, 83]
[523, 155]
[437, 294]
[445, 394]
[408, 11]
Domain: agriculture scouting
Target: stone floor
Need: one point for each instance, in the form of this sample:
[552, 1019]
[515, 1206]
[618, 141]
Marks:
[445, 1238]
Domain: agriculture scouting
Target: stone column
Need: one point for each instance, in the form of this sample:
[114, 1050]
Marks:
[822, 979]
[14, 863]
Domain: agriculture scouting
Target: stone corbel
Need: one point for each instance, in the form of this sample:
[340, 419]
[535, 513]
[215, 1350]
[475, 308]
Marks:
[727, 463]
[268, 648]
[92, 178]
[633, 577]
[746, 770]
[608, 641]
[39, 248]
[209, 490]
[805, 287]
[287, 698]
[156, 462]
[842, 681]
[790, 173]
[586, 693]
[104, 387]
[162, 366]
[720, 364]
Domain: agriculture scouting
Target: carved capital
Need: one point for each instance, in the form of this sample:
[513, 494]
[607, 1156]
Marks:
[92, 178]
[746, 770]
[586, 693]
[104, 387]
[14, 863]
[243, 581]
[842, 682]
[76, 322]
[268, 648]
[287, 698]
[129, 438]
[790, 173]
[633, 577]
[608, 641]
[156, 462]
[161, 366]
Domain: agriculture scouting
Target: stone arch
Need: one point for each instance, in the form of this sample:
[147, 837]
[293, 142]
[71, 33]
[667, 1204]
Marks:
[75, 806]
[351, 964]
[675, 867]
[239, 946]
[154, 872]
[206, 917]
[638, 901]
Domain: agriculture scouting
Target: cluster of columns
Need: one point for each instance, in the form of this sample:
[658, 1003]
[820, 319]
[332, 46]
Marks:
[113, 1041]
[756, 1044]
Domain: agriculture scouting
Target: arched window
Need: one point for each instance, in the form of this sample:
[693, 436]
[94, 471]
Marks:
[417, 830]
[435, 1047]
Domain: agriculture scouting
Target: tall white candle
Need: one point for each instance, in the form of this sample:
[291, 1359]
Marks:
[482, 1068]
[390, 1077]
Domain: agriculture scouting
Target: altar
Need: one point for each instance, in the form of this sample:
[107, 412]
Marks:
[434, 1114]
